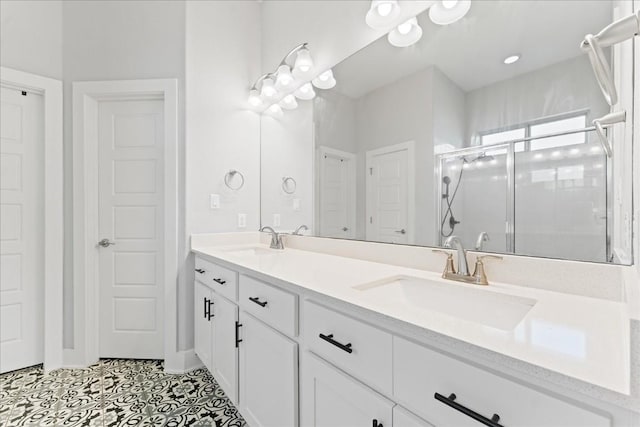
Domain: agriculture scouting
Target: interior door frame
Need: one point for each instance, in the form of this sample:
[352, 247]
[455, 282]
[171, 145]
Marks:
[53, 239]
[351, 183]
[86, 97]
[409, 146]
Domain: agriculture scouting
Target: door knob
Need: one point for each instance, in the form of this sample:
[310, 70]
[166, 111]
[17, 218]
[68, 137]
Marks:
[403, 231]
[345, 229]
[105, 243]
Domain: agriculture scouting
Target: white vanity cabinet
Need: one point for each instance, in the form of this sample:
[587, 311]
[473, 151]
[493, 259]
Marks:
[268, 375]
[203, 328]
[215, 325]
[329, 397]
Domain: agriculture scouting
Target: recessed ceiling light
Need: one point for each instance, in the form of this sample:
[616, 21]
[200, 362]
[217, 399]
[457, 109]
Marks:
[511, 59]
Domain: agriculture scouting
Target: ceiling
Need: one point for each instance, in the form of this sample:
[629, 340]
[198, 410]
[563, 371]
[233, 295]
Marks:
[471, 51]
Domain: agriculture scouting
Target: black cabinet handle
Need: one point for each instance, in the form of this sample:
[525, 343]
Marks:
[220, 281]
[377, 424]
[199, 270]
[450, 401]
[206, 308]
[210, 312]
[329, 339]
[238, 341]
[257, 301]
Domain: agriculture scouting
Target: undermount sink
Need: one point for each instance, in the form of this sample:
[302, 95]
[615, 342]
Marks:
[482, 306]
[250, 251]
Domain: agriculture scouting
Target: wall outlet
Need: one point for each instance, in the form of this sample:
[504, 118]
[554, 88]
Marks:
[276, 220]
[242, 220]
[214, 201]
[296, 204]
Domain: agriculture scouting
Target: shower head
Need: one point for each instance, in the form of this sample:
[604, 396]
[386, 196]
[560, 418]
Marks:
[482, 157]
[446, 180]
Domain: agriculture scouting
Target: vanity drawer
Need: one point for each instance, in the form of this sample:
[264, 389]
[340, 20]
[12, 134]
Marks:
[274, 306]
[220, 279]
[361, 350]
[419, 373]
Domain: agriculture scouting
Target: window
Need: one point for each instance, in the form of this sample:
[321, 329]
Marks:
[541, 128]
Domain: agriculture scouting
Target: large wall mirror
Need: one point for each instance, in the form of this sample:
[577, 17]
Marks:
[449, 137]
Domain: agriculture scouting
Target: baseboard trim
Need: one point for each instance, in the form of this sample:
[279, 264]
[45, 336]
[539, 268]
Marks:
[184, 361]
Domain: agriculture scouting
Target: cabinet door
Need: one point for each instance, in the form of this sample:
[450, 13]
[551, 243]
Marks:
[202, 324]
[404, 418]
[331, 398]
[268, 375]
[225, 352]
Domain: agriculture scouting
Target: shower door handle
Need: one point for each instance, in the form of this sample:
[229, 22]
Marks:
[403, 231]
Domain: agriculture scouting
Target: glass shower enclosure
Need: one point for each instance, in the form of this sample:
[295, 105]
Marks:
[537, 196]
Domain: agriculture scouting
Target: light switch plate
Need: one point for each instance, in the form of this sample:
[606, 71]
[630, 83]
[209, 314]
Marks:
[276, 220]
[296, 204]
[242, 220]
[214, 201]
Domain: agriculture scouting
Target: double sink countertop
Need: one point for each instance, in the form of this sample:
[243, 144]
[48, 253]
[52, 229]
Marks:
[583, 338]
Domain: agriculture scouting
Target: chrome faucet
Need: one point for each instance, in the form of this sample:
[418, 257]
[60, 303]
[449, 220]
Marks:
[299, 229]
[454, 242]
[478, 277]
[482, 237]
[276, 239]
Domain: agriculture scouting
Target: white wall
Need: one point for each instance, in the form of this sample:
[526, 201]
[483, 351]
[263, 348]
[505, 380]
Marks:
[106, 40]
[31, 36]
[222, 59]
[287, 151]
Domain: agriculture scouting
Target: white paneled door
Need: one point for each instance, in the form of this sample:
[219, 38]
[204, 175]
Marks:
[337, 194]
[388, 196]
[21, 229]
[131, 224]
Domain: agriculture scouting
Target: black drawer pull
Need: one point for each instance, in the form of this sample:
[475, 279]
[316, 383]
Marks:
[450, 401]
[199, 270]
[238, 340]
[222, 282]
[377, 424]
[329, 339]
[210, 311]
[257, 301]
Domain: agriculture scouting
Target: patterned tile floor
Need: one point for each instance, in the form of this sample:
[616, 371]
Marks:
[114, 392]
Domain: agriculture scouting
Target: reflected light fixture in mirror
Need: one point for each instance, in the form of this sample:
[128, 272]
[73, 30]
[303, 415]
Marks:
[406, 33]
[275, 111]
[445, 12]
[289, 102]
[382, 13]
[284, 77]
[305, 92]
[325, 80]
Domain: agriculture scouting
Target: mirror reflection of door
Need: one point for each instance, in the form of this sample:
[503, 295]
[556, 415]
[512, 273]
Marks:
[389, 198]
[337, 213]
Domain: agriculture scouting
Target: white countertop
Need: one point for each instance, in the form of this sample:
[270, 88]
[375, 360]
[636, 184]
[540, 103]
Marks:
[581, 337]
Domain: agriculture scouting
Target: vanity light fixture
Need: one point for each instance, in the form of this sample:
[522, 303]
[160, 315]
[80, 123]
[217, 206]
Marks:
[283, 76]
[382, 13]
[254, 98]
[406, 33]
[511, 59]
[292, 79]
[268, 89]
[325, 80]
[445, 12]
[289, 102]
[304, 64]
[305, 92]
